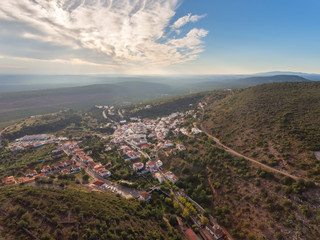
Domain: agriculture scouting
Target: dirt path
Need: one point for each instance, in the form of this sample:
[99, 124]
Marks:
[210, 183]
[264, 166]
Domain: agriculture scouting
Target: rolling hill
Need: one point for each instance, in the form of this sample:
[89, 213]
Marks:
[243, 82]
[276, 123]
[21, 104]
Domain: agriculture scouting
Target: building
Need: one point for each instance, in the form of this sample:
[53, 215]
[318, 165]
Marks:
[65, 171]
[99, 184]
[75, 168]
[137, 166]
[9, 180]
[215, 231]
[170, 176]
[195, 131]
[191, 234]
[150, 165]
[68, 163]
[181, 147]
[159, 177]
[92, 164]
[31, 173]
[25, 180]
[46, 169]
[58, 166]
[145, 196]
[159, 163]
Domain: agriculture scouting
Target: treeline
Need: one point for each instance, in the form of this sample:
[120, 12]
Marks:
[45, 127]
[166, 107]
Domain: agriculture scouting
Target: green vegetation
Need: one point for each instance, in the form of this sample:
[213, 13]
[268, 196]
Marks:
[252, 203]
[165, 106]
[47, 124]
[23, 104]
[277, 124]
[19, 162]
[52, 213]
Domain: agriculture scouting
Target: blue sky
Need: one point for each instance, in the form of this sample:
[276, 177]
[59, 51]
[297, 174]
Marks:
[159, 37]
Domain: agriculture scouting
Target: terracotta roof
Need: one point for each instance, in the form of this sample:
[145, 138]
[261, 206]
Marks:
[145, 195]
[98, 183]
[191, 234]
[92, 164]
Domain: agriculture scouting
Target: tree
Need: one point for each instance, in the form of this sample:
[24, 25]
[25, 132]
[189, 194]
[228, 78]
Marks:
[185, 214]
[85, 178]
[204, 221]
[173, 220]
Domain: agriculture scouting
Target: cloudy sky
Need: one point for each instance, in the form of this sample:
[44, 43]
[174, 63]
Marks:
[159, 36]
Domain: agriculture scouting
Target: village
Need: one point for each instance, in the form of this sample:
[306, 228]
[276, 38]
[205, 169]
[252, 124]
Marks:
[139, 141]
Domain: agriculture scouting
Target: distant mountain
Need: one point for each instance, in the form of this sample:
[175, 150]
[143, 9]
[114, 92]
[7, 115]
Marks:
[242, 82]
[20, 104]
[250, 81]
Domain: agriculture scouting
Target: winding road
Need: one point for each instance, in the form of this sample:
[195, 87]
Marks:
[256, 162]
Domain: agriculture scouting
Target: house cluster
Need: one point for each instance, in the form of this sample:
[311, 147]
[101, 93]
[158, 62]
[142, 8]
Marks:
[150, 166]
[29, 177]
[131, 154]
[33, 141]
[136, 131]
[67, 167]
[73, 149]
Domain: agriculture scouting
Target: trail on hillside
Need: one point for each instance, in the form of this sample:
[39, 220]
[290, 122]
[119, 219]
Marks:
[256, 162]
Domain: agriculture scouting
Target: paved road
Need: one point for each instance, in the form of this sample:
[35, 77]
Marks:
[104, 114]
[120, 114]
[229, 150]
[122, 190]
[146, 155]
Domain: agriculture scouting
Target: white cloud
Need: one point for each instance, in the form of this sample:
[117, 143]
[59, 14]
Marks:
[184, 20]
[128, 31]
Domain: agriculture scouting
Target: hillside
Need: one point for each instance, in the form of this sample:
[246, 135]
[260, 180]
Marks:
[52, 213]
[277, 124]
[251, 81]
[20, 104]
[242, 82]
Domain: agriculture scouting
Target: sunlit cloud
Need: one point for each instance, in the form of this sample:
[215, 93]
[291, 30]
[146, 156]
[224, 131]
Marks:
[184, 20]
[126, 32]
[72, 61]
[9, 67]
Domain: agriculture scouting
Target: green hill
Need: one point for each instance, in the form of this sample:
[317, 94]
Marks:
[52, 213]
[21, 104]
[275, 123]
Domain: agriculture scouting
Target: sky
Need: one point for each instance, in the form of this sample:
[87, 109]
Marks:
[146, 37]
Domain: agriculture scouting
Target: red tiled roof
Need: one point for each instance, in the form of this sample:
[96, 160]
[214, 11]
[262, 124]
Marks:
[191, 234]
[98, 183]
[40, 175]
[92, 164]
[8, 179]
[145, 195]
